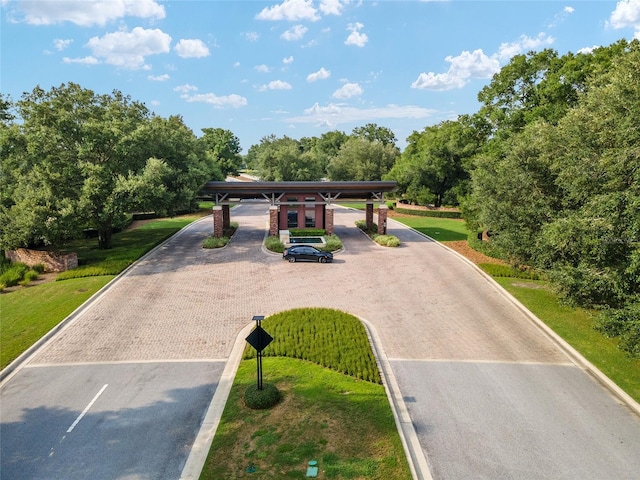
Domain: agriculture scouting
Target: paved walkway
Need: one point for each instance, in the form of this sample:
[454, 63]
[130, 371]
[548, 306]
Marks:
[443, 329]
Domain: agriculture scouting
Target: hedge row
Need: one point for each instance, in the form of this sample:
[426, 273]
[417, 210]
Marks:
[429, 213]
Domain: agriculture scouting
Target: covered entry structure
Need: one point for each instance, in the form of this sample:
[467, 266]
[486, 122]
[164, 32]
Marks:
[298, 204]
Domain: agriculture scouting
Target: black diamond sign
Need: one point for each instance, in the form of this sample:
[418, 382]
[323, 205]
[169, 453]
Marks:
[259, 339]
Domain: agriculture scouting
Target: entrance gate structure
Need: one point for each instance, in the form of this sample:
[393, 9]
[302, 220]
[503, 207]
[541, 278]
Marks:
[298, 204]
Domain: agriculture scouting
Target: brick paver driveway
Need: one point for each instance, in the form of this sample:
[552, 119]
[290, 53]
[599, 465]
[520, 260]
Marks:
[489, 394]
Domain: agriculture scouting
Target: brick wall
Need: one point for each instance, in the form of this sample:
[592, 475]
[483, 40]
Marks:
[53, 262]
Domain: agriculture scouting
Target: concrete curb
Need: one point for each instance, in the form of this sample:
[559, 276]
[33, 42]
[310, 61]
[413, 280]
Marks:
[418, 462]
[202, 444]
[576, 357]
[30, 352]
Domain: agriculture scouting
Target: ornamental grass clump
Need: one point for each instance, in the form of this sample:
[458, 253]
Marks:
[330, 338]
[273, 244]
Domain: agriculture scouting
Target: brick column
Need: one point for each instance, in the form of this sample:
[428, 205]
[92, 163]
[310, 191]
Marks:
[274, 227]
[226, 217]
[383, 210]
[369, 216]
[328, 220]
[218, 229]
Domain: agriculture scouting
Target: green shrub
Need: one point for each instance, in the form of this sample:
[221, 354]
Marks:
[31, 275]
[212, 242]
[333, 243]
[386, 240]
[362, 225]
[330, 338]
[256, 399]
[13, 274]
[109, 267]
[623, 323]
[429, 213]
[273, 244]
[306, 232]
[497, 270]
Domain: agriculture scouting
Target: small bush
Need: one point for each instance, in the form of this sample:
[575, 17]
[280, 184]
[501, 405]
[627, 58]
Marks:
[113, 267]
[333, 243]
[212, 242]
[256, 399]
[386, 240]
[623, 323]
[497, 270]
[362, 225]
[273, 244]
[13, 274]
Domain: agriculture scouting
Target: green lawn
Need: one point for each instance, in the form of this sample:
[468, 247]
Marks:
[29, 313]
[440, 229]
[344, 424]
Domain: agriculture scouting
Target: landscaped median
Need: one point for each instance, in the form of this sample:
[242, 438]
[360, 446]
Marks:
[333, 411]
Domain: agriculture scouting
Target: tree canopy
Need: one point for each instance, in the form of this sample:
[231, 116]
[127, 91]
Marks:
[74, 160]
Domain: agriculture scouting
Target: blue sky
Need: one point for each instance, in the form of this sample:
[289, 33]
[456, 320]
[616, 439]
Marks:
[294, 67]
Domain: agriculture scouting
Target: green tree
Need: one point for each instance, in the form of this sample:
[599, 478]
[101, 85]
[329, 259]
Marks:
[224, 148]
[72, 157]
[433, 169]
[374, 133]
[360, 159]
[283, 159]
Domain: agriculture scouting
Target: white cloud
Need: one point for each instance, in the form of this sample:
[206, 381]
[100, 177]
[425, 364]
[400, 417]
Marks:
[84, 61]
[262, 68]
[523, 45]
[87, 12]
[321, 74]
[292, 10]
[588, 50]
[185, 88]
[236, 64]
[356, 37]
[626, 14]
[61, 44]
[560, 17]
[288, 60]
[334, 114]
[251, 36]
[129, 49]
[275, 85]
[159, 78]
[191, 48]
[332, 7]
[294, 33]
[348, 90]
[465, 66]
[233, 100]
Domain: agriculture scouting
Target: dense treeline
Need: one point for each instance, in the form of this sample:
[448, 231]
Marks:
[549, 166]
[557, 179]
[73, 160]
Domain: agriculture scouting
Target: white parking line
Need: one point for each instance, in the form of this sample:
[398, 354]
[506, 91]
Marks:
[86, 409]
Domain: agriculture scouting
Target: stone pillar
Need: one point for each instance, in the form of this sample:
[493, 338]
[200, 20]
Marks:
[328, 220]
[383, 210]
[369, 216]
[274, 227]
[226, 217]
[218, 228]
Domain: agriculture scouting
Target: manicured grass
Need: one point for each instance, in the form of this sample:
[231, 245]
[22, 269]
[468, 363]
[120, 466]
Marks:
[345, 424]
[575, 326]
[440, 229]
[29, 313]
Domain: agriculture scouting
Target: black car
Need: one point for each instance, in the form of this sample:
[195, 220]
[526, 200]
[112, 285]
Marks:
[306, 252]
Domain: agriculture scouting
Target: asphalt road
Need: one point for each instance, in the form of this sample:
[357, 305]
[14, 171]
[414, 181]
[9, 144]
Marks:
[488, 393]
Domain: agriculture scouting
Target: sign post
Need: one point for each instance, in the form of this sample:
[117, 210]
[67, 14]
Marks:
[259, 339]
